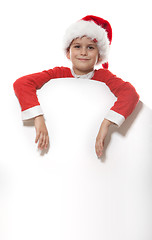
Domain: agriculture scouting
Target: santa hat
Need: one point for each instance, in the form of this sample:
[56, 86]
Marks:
[95, 28]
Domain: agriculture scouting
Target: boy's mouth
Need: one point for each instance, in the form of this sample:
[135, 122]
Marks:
[83, 59]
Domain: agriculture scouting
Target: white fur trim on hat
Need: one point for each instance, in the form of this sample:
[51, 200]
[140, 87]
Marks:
[92, 30]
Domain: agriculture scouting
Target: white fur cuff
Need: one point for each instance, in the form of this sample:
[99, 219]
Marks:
[32, 112]
[115, 117]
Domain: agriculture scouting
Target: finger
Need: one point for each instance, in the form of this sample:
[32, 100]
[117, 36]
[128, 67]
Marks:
[40, 140]
[100, 152]
[47, 142]
[43, 142]
[37, 136]
[99, 148]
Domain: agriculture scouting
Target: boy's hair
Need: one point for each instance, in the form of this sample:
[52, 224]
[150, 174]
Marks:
[97, 29]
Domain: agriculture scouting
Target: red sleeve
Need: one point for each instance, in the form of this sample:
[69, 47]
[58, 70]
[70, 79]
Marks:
[127, 97]
[26, 86]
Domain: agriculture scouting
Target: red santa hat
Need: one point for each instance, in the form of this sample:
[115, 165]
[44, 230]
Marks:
[95, 28]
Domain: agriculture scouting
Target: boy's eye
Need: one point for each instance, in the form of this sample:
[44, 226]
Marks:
[90, 47]
[77, 46]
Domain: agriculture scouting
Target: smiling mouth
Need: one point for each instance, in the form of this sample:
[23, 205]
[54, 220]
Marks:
[83, 59]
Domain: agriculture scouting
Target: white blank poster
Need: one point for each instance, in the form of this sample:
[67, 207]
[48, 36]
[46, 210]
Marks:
[67, 192]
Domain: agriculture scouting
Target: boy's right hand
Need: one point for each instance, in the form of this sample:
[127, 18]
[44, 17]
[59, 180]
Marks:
[42, 136]
[101, 137]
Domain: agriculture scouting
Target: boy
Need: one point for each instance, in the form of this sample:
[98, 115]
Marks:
[86, 43]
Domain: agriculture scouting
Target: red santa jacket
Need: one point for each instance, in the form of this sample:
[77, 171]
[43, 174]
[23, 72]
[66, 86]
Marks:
[25, 90]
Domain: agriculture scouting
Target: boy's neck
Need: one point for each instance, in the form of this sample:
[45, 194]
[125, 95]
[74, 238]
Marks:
[87, 75]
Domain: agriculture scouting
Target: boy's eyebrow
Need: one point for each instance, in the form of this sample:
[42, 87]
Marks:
[92, 44]
[89, 44]
[76, 43]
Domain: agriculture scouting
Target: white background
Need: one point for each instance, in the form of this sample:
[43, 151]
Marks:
[31, 41]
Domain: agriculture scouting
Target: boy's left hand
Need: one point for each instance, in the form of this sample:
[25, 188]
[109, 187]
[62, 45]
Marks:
[101, 137]
[42, 136]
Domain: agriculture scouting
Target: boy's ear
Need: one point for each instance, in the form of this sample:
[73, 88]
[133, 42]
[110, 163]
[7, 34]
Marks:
[68, 54]
[99, 59]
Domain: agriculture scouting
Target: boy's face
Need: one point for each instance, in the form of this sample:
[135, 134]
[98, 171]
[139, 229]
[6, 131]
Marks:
[84, 54]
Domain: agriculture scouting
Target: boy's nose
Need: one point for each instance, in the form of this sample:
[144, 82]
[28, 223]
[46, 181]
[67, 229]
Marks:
[83, 51]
